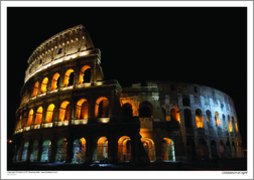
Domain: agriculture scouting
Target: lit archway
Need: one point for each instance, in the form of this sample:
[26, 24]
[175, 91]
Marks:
[85, 74]
[199, 118]
[44, 85]
[124, 149]
[146, 110]
[68, 78]
[34, 153]
[228, 149]
[38, 116]
[167, 150]
[50, 113]
[102, 148]
[217, 119]
[46, 151]
[61, 154]
[175, 114]
[203, 149]
[64, 111]
[82, 109]
[79, 150]
[149, 148]
[25, 149]
[24, 119]
[30, 117]
[35, 90]
[101, 107]
[55, 81]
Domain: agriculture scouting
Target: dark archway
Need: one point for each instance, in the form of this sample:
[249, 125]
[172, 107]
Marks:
[127, 110]
[146, 110]
[213, 149]
[190, 149]
[87, 76]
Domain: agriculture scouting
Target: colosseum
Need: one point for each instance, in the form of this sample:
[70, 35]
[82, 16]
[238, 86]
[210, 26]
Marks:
[69, 112]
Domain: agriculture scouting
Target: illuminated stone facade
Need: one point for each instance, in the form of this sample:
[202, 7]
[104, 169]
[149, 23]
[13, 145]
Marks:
[68, 112]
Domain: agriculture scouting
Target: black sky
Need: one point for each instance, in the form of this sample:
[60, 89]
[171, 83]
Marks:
[205, 46]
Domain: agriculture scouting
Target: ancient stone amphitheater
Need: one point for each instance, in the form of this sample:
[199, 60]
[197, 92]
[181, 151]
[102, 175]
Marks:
[69, 112]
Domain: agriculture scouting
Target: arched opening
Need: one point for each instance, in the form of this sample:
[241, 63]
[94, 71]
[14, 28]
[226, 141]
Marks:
[82, 109]
[30, 117]
[69, 78]
[199, 118]
[46, 151]
[124, 149]
[167, 150]
[79, 151]
[24, 119]
[217, 119]
[36, 87]
[228, 149]
[50, 113]
[213, 149]
[25, 148]
[38, 116]
[208, 116]
[61, 152]
[187, 118]
[203, 149]
[25, 96]
[222, 150]
[230, 127]
[102, 149]
[64, 111]
[233, 124]
[101, 107]
[190, 149]
[55, 81]
[236, 126]
[34, 153]
[127, 110]
[19, 123]
[149, 148]
[146, 110]
[186, 101]
[85, 74]
[175, 114]
[44, 85]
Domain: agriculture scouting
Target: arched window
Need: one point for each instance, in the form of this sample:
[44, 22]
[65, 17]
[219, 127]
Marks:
[124, 148]
[36, 87]
[236, 126]
[46, 151]
[50, 113]
[82, 109]
[149, 148]
[203, 149]
[55, 81]
[199, 119]
[25, 149]
[25, 96]
[85, 74]
[24, 119]
[44, 85]
[38, 117]
[127, 110]
[187, 118]
[175, 114]
[64, 112]
[34, 153]
[186, 101]
[69, 78]
[79, 151]
[146, 110]
[167, 150]
[102, 149]
[233, 123]
[30, 117]
[61, 154]
[217, 119]
[230, 127]
[101, 107]
[208, 116]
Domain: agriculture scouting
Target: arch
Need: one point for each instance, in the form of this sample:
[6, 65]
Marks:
[68, 79]
[38, 116]
[190, 149]
[79, 150]
[146, 109]
[61, 154]
[55, 81]
[213, 149]
[199, 118]
[50, 113]
[236, 126]
[34, 152]
[35, 90]
[230, 127]
[25, 96]
[46, 151]
[102, 149]
[85, 74]
[228, 149]
[175, 114]
[203, 149]
[30, 117]
[127, 110]
[64, 111]
[101, 107]
[149, 148]
[44, 85]
[25, 149]
[222, 149]
[217, 119]
[167, 150]
[187, 118]
[82, 109]
[208, 116]
[24, 119]
[124, 149]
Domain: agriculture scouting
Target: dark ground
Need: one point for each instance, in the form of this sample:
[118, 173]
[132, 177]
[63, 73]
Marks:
[222, 165]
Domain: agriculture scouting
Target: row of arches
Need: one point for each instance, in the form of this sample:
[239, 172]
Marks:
[124, 150]
[81, 112]
[67, 80]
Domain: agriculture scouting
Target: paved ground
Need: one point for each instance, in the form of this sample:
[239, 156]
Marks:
[221, 165]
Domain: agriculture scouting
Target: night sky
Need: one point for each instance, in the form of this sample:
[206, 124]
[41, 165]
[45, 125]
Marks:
[206, 46]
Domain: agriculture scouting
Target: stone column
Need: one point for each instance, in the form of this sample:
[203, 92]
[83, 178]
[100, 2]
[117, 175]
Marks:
[53, 149]
[21, 150]
[39, 149]
[29, 149]
[70, 149]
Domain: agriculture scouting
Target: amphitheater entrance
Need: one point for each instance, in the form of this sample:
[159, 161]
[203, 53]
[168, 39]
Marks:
[213, 149]
[203, 149]
[190, 149]
[24, 154]
[61, 152]
[124, 149]
[149, 148]
[79, 150]
[102, 149]
[167, 150]
[34, 153]
[46, 151]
